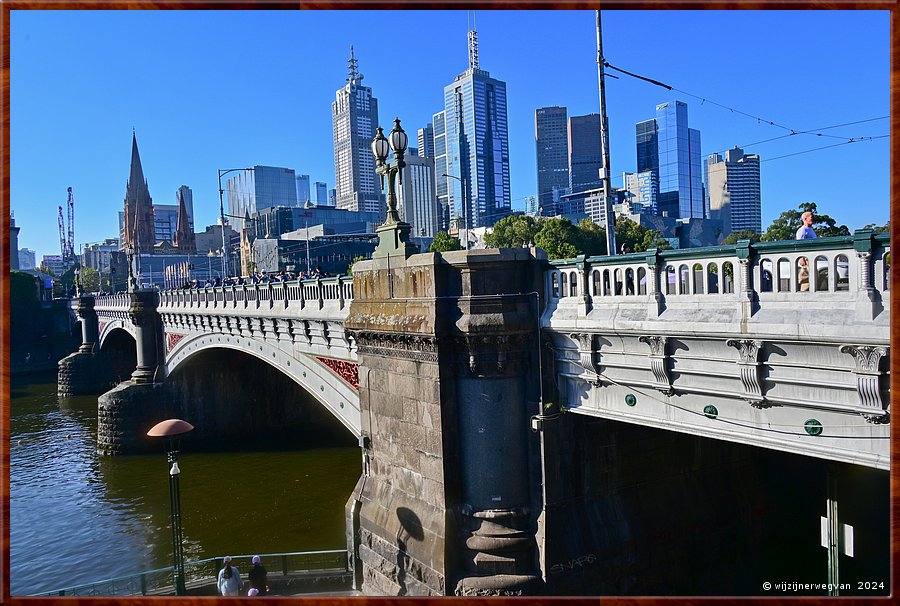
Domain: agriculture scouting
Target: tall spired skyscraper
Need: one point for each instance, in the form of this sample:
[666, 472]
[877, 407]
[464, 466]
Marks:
[474, 129]
[354, 114]
[140, 227]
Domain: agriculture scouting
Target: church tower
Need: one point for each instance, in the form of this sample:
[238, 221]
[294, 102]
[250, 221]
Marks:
[183, 238]
[140, 227]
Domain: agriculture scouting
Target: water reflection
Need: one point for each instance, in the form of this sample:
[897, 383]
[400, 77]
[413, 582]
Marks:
[77, 518]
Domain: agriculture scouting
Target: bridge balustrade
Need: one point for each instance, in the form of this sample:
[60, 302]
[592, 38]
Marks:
[316, 293]
[825, 269]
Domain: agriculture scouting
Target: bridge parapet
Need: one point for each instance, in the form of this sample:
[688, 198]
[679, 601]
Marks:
[775, 338]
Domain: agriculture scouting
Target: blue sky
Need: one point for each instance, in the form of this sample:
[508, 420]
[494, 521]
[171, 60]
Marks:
[221, 89]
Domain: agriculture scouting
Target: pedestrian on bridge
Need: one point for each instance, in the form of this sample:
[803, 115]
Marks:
[258, 576]
[806, 231]
[229, 579]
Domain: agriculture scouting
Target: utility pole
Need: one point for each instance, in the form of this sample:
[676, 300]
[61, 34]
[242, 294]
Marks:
[604, 146]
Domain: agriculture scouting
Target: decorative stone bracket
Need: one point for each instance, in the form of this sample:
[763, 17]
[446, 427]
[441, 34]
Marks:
[868, 379]
[750, 368]
[659, 362]
[586, 351]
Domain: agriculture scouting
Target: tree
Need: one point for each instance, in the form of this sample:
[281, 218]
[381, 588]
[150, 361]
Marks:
[513, 232]
[590, 238]
[786, 225]
[444, 242]
[741, 234]
[557, 236]
[90, 279]
[638, 237]
[878, 228]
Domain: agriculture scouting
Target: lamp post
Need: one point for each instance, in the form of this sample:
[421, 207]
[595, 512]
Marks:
[209, 258]
[222, 217]
[171, 430]
[132, 281]
[462, 183]
[392, 171]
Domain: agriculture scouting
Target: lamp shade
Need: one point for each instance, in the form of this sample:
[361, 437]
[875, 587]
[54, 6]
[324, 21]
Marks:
[169, 427]
[380, 145]
[398, 138]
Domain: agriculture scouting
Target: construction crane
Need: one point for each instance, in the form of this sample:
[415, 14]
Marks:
[71, 239]
[63, 249]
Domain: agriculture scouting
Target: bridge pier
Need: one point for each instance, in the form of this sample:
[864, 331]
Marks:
[84, 371]
[448, 371]
[126, 412]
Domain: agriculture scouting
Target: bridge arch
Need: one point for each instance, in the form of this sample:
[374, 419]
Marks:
[107, 328]
[322, 383]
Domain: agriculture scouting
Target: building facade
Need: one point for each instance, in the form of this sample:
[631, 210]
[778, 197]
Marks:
[477, 146]
[322, 193]
[440, 169]
[417, 201]
[14, 244]
[551, 136]
[277, 221]
[354, 115]
[640, 192]
[99, 255]
[186, 195]
[733, 190]
[252, 190]
[27, 258]
[585, 152]
[667, 146]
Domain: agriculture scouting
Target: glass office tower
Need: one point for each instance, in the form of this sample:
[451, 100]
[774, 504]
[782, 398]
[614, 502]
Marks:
[250, 191]
[477, 143]
[585, 153]
[669, 148]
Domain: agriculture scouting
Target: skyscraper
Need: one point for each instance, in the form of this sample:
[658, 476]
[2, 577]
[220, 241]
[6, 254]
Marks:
[440, 168]
[425, 140]
[585, 152]
[551, 138]
[354, 115]
[668, 147]
[140, 228]
[13, 244]
[733, 189]
[416, 199]
[477, 151]
[321, 193]
[303, 189]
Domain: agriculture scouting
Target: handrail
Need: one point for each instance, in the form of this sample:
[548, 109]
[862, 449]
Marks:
[206, 570]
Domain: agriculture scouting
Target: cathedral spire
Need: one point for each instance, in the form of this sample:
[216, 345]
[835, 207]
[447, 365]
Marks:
[139, 222]
[184, 235]
[136, 176]
[355, 76]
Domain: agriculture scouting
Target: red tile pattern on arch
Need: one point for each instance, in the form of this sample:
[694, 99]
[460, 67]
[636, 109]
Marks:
[172, 340]
[348, 371]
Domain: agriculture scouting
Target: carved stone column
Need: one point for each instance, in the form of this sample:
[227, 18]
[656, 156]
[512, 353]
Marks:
[868, 379]
[750, 369]
[656, 299]
[144, 317]
[586, 352]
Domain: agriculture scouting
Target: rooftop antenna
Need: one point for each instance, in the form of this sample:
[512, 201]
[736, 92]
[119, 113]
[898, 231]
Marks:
[473, 43]
[355, 76]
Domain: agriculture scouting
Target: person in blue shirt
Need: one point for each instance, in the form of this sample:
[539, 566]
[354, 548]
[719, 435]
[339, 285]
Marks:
[229, 582]
[806, 231]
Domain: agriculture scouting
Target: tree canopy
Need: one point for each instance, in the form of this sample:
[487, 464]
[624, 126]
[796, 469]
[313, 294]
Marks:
[444, 242]
[786, 225]
[741, 234]
[515, 231]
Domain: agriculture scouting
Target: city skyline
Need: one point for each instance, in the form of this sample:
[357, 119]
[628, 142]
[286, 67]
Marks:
[65, 133]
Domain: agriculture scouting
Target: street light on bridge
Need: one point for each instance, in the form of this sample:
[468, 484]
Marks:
[172, 430]
[392, 171]
[222, 217]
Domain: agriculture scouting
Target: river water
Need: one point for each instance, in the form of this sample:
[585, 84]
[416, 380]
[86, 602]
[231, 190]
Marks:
[76, 517]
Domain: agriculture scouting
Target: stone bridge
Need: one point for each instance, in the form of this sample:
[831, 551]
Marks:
[508, 409]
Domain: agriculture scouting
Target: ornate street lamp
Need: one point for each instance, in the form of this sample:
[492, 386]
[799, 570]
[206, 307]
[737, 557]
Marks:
[172, 430]
[132, 281]
[392, 171]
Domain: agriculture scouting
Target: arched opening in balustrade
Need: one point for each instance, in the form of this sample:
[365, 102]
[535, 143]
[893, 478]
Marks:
[595, 282]
[842, 272]
[765, 275]
[727, 277]
[573, 284]
[606, 290]
[698, 278]
[784, 275]
[886, 271]
[629, 281]
[821, 269]
[554, 285]
[684, 280]
[712, 278]
[564, 283]
[642, 280]
[617, 278]
[802, 274]
[670, 279]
